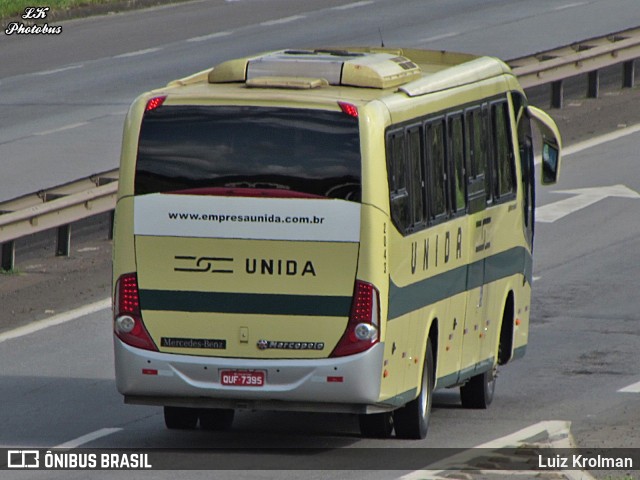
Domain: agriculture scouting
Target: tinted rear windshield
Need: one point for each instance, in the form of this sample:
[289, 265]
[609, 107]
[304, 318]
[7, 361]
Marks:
[230, 150]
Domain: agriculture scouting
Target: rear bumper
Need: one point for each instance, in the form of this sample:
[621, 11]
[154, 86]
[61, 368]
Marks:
[347, 384]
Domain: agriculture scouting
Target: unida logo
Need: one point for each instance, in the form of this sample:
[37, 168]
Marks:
[203, 264]
[253, 266]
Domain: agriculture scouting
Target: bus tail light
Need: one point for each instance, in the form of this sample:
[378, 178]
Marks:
[128, 325]
[349, 109]
[154, 103]
[364, 320]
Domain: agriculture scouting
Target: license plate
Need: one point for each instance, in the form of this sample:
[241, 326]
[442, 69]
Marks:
[242, 378]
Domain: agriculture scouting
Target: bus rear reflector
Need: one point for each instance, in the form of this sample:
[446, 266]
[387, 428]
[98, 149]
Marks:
[362, 329]
[128, 324]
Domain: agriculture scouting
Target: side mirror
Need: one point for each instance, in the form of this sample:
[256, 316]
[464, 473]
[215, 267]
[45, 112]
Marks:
[551, 145]
[550, 156]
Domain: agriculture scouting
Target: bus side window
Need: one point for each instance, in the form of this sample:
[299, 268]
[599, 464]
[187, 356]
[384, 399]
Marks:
[436, 165]
[457, 162]
[503, 161]
[475, 147]
[399, 195]
[482, 147]
[417, 177]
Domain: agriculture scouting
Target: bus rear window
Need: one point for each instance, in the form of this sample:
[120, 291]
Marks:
[231, 150]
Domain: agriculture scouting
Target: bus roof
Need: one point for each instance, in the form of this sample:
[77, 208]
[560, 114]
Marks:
[379, 70]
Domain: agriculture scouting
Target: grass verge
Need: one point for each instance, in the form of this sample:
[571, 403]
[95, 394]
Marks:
[15, 8]
[11, 10]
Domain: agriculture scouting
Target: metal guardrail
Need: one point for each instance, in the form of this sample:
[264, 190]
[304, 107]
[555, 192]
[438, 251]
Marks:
[57, 207]
[60, 206]
[585, 57]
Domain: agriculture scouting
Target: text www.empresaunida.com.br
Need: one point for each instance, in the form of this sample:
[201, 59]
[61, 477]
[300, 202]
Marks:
[266, 218]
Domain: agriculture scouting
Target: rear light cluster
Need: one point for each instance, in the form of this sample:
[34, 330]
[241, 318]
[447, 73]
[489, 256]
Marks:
[128, 324]
[154, 103]
[349, 109]
[363, 327]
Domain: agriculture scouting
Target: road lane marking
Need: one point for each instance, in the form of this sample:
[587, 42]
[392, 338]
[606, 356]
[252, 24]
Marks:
[138, 52]
[58, 70]
[211, 36]
[353, 5]
[552, 210]
[281, 21]
[595, 141]
[581, 198]
[63, 128]
[556, 432]
[633, 388]
[569, 5]
[439, 37]
[599, 140]
[89, 437]
[56, 320]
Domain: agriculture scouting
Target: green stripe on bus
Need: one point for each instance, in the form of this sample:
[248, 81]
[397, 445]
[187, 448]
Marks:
[461, 376]
[245, 303]
[519, 352]
[402, 399]
[403, 300]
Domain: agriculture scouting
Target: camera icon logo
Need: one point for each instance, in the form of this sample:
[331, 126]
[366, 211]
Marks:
[23, 459]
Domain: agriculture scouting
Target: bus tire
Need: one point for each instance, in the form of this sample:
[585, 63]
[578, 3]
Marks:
[412, 420]
[179, 418]
[376, 425]
[478, 391]
[216, 419]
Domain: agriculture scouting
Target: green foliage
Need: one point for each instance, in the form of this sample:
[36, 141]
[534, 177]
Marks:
[10, 272]
[14, 8]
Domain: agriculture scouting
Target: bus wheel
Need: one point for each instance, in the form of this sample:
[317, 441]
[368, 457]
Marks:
[478, 392]
[412, 420]
[180, 418]
[376, 425]
[216, 418]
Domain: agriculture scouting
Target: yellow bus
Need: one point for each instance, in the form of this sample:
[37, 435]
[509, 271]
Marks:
[331, 230]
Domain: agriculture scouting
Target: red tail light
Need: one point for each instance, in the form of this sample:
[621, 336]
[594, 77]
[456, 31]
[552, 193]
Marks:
[154, 103]
[362, 329]
[128, 325]
[349, 109]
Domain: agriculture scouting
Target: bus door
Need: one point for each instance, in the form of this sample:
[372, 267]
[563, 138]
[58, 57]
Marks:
[525, 145]
[478, 238]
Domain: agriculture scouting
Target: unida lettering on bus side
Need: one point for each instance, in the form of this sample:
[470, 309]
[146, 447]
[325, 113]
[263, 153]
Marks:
[437, 250]
[252, 266]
